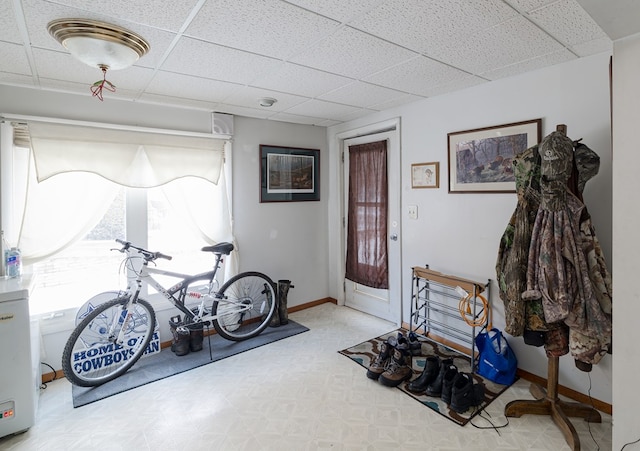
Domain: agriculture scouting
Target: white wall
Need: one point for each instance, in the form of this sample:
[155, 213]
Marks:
[286, 240]
[459, 233]
[626, 246]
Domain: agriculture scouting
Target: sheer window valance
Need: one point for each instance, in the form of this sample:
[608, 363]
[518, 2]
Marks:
[132, 158]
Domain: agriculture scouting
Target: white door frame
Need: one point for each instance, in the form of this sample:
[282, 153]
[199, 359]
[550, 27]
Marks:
[394, 176]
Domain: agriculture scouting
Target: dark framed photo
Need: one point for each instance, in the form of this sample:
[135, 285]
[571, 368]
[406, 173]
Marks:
[289, 174]
[480, 160]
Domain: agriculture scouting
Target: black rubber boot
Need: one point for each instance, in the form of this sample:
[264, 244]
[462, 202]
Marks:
[275, 319]
[181, 338]
[196, 336]
[465, 393]
[283, 291]
[430, 372]
[447, 384]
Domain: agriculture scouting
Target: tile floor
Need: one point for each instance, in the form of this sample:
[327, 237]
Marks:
[295, 394]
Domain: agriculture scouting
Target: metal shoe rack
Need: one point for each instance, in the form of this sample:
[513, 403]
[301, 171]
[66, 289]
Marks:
[435, 307]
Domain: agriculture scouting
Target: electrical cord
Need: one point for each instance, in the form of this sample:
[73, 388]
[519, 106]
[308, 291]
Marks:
[464, 307]
[630, 443]
[493, 426]
[43, 385]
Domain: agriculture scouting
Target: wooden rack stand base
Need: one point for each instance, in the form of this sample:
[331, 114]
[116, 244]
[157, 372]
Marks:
[548, 403]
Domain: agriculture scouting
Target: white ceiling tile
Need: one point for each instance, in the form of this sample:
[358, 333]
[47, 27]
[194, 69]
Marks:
[8, 28]
[83, 89]
[177, 101]
[403, 21]
[529, 5]
[13, 59]
[320, 108]
[404, 100]
[355, 114]
[416, 76]
[550, 59]
[163, 14]
[286, 117]
[340, 10]
[62, 66]
[568, 22]
[189, 87]
[593, 47]
[249, 96]
[217, 62]
[243, 111]
[508, 43]
[455, 85]
[302, 80]
[7, 78]
[268, 27]
[352, 53]
[362, 94]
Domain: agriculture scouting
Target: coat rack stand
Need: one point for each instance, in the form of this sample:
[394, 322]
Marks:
[547, 402]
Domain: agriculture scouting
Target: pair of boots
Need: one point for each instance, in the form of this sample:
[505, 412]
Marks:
[281, 316]
[392, 365]
[185, 338]
[442, 379]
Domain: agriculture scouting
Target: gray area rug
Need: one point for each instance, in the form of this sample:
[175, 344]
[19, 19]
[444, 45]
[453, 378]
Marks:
[166, 363]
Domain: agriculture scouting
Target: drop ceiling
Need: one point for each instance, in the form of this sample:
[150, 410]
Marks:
[325, 61]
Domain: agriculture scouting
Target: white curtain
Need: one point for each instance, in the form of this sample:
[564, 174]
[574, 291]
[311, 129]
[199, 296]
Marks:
[135, 159]
[68, 185]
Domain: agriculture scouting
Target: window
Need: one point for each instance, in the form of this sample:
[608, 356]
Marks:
[90, 266]
[80, 186]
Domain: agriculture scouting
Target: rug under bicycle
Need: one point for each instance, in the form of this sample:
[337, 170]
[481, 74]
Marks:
[165, 363]
[364, 353]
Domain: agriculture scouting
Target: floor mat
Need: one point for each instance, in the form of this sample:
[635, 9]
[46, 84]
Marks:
[166, 363]
[364, 353]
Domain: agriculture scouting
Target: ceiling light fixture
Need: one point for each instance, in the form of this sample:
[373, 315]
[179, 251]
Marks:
[99, 44]
[267, 102]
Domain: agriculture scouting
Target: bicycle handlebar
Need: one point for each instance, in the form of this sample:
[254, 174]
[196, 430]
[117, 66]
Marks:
[148, 255]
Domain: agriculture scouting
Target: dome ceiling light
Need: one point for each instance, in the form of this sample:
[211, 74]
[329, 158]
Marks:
[266, 102]
[99, 44]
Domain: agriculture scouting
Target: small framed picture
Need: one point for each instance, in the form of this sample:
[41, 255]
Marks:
[425, 175]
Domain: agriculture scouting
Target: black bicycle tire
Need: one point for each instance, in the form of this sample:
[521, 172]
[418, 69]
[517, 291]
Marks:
[67, 353]
[264, 319]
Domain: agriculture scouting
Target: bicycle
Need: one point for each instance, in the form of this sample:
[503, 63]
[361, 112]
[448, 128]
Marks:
[113, 336]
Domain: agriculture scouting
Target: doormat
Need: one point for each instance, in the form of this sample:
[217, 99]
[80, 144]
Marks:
[364, 353]
[166, 363]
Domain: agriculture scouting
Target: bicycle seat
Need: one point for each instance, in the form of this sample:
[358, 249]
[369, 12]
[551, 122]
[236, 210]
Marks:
[220, 248]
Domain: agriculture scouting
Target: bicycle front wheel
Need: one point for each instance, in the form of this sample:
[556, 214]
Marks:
[244, 306]
[91, 357]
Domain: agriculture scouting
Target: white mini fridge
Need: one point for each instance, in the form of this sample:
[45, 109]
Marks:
[19, 358]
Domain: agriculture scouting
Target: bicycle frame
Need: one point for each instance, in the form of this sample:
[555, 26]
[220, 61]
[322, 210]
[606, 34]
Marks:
[176, 294]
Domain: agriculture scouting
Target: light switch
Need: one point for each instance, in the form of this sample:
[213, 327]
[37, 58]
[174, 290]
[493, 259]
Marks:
[413, 212]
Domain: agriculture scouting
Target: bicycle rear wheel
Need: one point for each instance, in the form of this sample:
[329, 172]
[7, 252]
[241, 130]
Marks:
[91, 356]
[244, 306]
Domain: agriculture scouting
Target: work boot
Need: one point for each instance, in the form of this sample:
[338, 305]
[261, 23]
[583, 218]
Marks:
[415, 346]
[465, 393]
[430, 372]
[181, 336]
[447, 383]
[196, 337]
[275, 319]
[435, 387]
[381, 361]
[399, 368]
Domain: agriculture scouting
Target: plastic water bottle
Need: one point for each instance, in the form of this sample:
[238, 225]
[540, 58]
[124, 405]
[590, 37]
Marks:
[14, 263]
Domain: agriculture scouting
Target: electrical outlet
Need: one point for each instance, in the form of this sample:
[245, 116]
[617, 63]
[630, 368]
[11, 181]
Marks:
[413, 212]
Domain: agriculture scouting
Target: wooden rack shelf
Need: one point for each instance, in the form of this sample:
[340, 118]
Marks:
[435, 302]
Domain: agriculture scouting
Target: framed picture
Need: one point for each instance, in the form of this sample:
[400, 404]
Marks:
[425, 175]
[289, 174]
[480, 160]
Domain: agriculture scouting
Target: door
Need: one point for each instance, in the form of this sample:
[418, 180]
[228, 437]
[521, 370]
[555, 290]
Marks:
[382, 302]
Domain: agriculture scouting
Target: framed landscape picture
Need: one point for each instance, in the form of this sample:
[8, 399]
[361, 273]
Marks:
[480, 160]
[289, 174]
